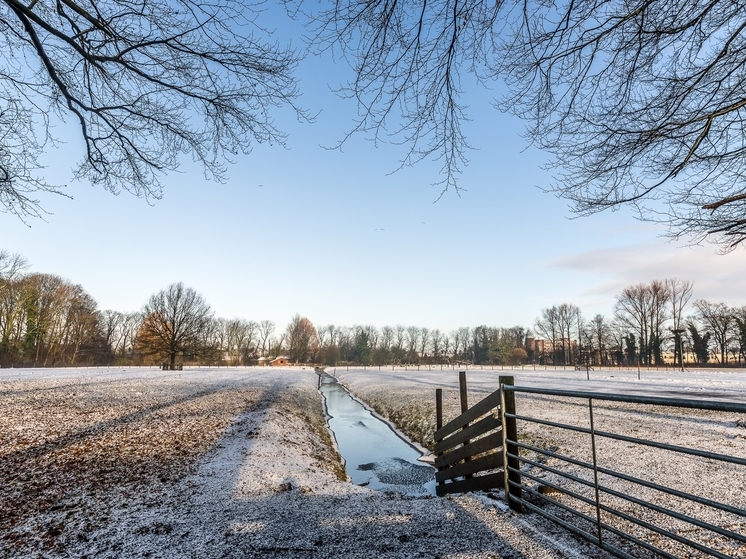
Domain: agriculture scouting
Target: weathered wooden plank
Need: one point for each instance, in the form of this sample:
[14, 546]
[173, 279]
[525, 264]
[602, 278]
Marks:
[480, 483]
[479, 409]
[489, 462]
[480, 428]
[477, 447]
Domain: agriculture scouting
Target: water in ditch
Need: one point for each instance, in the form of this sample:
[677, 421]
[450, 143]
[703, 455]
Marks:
[375, 456]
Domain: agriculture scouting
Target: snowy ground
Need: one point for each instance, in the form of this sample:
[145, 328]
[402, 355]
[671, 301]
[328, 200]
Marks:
[215, 463]
[238, 462]
[408, 399]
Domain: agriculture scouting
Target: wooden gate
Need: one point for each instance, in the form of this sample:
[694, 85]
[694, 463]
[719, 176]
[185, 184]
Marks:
[469, 449]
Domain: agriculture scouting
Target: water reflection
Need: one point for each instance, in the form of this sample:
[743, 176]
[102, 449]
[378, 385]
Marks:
[374, 454]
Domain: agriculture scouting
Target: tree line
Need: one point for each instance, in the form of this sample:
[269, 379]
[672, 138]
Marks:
[46, 320]
[649, 321]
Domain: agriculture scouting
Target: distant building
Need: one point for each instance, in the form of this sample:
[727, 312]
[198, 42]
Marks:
[263, 361]
[535, 345]
[279, 362]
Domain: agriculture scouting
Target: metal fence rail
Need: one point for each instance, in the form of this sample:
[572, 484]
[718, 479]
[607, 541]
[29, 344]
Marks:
[598, 503]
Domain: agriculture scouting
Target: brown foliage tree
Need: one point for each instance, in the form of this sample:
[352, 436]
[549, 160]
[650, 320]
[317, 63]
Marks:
[177, 322]
[302, 339]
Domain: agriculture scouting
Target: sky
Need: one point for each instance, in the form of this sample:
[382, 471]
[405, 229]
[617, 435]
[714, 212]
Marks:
[343, 238]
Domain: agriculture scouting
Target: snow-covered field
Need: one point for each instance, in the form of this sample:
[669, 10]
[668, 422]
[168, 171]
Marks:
[214, 463]
[237, 462]
[408, 399]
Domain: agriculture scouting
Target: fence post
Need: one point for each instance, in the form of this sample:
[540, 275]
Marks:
[464, 407]
[462, 391]
[595, 472]
[438, 419]
[510, 433]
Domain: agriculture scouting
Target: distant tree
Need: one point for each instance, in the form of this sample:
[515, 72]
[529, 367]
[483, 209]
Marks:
[215, 340]
[266, 327]
[126, 336]
[482, 340]
[700, 343]
[387, 337]
[302, 339]
[329, 355]
[680, 294]
[446, 344]
[12, 296]
[60, 323]
[719, 317]
[323, 333]
[362, 351]
[346, 338]
[561, 324]
[630, 349]
[518, 335]
[335, 333]
[277, 345]
[436, 344]
[424, 340]
[643, 307]
[548, 326]
[660, 295]
[462, 343]
[177, 320]
[412, 338]
[381, 356]
[598, 334]
[111, 323]
[501, 351]
[239, 338]
[373, 335]
[740, 318]
[519, 357]
[400, 333]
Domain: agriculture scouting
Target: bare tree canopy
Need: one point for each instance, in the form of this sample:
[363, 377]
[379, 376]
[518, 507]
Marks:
[641, 103]
[177, 322]
[302, 339]
[144, 82]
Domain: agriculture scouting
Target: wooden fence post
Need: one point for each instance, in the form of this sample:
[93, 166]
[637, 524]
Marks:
[464, 407]
[510, 430]
[462, 391]
[438, 418]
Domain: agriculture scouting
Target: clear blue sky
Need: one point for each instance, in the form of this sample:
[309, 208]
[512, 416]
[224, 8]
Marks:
[335, 236]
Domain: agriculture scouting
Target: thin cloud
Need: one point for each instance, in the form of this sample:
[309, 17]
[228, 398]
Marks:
[716, 277]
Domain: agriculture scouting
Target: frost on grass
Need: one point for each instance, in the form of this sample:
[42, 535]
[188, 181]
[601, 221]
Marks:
[211, 464]
[63, 441]
[300, 404]
[404, 399]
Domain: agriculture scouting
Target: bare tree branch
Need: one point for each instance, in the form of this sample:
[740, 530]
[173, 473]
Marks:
[640, 103]
[146, 84]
